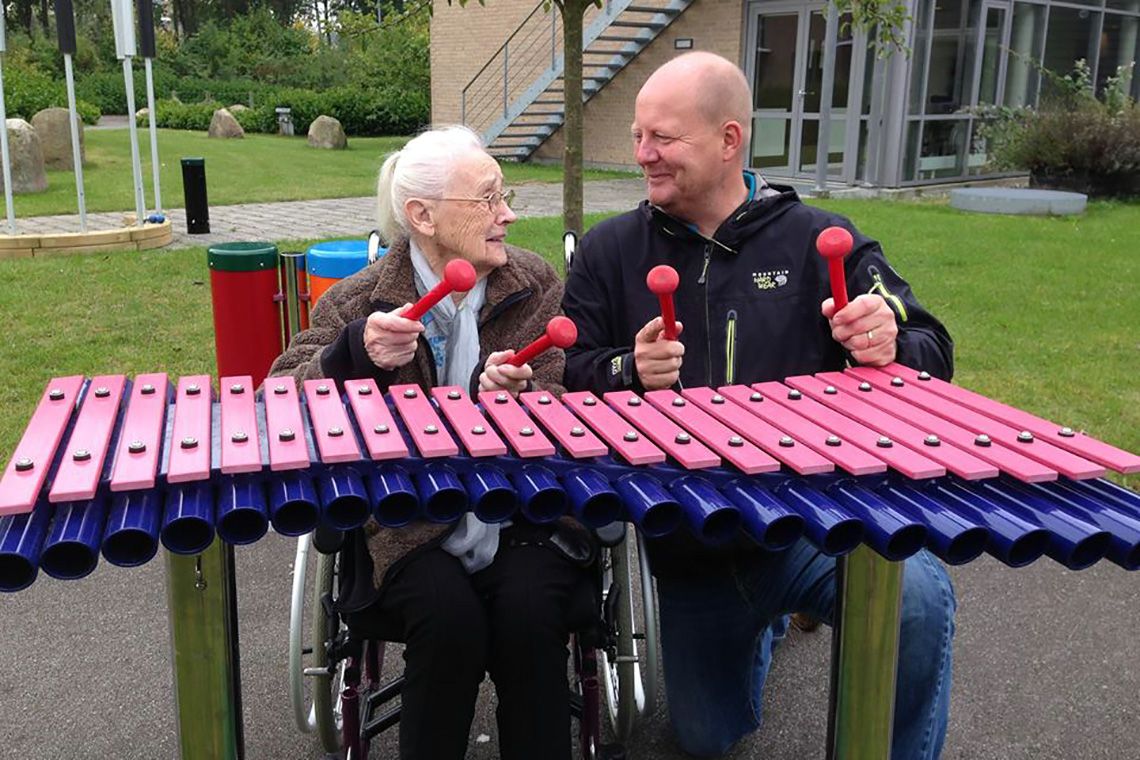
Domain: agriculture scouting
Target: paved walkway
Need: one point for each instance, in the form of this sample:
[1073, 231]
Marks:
[333, 217]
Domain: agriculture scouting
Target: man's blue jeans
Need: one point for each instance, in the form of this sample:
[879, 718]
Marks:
[717, 645]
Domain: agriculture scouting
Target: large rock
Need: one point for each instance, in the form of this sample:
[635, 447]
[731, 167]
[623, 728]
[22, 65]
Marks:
[326, 132]
[27, 158]
[225, 125]
[237, 108]
[55, 137]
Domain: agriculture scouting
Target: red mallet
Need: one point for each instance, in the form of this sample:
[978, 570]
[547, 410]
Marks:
[833, 244]
[458, 276]
[662, 281]
[561, 332]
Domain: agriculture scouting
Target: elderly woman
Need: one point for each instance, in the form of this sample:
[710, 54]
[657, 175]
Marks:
[473, 597]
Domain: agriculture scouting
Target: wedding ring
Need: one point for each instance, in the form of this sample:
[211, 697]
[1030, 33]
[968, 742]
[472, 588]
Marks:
[870, 337]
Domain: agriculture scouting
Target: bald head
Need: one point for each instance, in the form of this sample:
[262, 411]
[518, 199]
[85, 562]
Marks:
[716, 86]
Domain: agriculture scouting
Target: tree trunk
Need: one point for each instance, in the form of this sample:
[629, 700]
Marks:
[24, 15]
[186, 16]
[572, 11]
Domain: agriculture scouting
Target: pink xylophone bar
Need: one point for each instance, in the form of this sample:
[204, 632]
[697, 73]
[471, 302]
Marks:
[836, 457]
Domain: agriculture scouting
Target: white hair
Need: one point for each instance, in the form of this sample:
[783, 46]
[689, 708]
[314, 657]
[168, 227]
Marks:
[420, 169]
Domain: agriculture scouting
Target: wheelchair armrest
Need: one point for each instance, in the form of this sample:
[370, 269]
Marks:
[611, 535]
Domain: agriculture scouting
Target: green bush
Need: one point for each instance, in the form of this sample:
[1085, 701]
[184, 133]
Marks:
[27, 91]
[360, 113]
[375, 79]
[250, 45]
[258, 119]
[171, 114]
[1075, 141]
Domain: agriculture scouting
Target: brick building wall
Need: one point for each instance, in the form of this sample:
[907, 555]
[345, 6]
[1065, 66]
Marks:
[713, 25]
[463, 39]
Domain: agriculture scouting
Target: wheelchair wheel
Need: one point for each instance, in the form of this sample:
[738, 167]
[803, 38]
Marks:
[313, 692]
[325, 687]
[303, 715]
[629, 679]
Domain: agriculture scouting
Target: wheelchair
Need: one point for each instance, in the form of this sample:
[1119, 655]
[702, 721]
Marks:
[335, 686]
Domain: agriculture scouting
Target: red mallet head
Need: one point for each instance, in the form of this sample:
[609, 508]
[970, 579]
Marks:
[561, 332]
[458, 276]
[662, 281]
[833, 244]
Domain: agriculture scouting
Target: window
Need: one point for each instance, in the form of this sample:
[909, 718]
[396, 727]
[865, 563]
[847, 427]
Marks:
[1117, 47]
[1069, 38]
[950, 73]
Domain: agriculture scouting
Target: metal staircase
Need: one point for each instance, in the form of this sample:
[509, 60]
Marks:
[516, 101]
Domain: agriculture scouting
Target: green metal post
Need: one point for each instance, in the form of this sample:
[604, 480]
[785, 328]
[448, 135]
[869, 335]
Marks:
[864, 664]
[202, 600]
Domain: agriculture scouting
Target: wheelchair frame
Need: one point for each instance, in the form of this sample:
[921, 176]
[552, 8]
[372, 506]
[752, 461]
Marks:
[342, 699]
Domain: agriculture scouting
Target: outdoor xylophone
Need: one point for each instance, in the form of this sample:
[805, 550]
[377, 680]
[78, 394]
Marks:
[892, 458]
[889, 457]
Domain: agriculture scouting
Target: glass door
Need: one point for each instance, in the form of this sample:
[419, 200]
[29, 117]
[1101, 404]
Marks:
[774, 76]
[785, 68]
[989, 76]
[835, 141]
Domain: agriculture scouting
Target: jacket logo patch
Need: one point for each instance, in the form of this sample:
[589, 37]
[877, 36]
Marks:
[615, 366]
[771, 279]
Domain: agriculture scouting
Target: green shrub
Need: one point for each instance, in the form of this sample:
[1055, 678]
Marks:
[250, 45]
[1075, 141]
[171, 114]
[27, 91]
[258, 119]
[375, 78]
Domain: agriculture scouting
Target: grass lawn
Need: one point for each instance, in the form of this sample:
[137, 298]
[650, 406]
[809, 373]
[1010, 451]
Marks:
[1043, 310]
[255, 168]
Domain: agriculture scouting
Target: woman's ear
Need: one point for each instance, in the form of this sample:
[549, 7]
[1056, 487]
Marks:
[420, 216]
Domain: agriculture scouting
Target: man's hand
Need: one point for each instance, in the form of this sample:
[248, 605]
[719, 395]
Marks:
[497, 375]
[657, 359]
[389, 339]
[866, 327]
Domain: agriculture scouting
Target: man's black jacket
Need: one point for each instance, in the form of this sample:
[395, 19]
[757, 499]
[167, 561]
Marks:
[749, 297]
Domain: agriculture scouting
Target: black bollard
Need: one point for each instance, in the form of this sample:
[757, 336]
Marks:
[194, 191]
[65, 26]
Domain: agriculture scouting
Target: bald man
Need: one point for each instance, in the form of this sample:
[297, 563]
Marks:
[753, 306]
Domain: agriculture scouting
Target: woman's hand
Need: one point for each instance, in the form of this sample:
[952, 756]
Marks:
[498, 375]
[389, 339]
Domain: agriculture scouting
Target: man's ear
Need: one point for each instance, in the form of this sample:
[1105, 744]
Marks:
[420, 216]
[732, 136]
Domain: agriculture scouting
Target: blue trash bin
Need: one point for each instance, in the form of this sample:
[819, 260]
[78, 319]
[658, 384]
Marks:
[334, 260]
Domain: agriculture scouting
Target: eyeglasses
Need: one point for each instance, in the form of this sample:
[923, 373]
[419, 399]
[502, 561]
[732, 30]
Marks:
[493, 200]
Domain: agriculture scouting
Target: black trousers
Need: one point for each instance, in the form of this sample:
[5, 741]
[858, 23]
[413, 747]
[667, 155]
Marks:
[512, 619]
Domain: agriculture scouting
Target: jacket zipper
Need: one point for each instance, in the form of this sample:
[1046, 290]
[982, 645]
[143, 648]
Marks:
[703, 282]
[730, 348]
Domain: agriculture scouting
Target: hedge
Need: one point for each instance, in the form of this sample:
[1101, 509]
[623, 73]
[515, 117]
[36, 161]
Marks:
[360, 113]
[27, 92]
